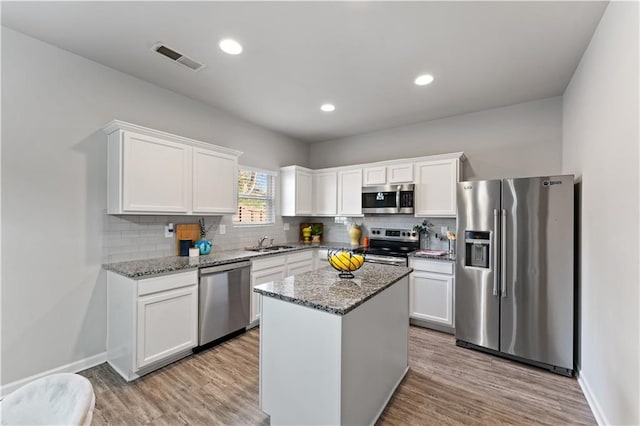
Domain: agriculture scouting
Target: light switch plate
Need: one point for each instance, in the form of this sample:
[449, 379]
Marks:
[444, 229]
[222, 229]
[286, 226]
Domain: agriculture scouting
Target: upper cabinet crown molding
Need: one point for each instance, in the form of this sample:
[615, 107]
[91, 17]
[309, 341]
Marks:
[154, 172]
[115, 125]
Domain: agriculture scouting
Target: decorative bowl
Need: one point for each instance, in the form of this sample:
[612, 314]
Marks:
[345, 261]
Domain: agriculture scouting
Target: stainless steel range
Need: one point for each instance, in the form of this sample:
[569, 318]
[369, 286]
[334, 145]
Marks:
[391, 246]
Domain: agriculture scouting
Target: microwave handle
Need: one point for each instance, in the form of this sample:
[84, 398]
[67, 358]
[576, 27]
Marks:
[398, 197]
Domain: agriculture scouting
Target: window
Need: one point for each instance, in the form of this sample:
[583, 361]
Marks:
[256, 197]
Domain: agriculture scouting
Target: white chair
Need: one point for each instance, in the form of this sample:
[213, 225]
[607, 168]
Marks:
[59, 399]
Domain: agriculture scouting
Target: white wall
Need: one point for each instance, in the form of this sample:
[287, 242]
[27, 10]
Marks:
[600, 146]
[514, 141]
[54, 104]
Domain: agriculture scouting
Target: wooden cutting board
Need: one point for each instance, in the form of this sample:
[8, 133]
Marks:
[186, 231]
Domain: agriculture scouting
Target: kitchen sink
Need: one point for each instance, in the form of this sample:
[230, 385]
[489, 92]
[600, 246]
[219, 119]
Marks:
[269, 248]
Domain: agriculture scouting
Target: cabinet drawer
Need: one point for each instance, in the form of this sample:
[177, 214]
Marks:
[436, 266]
[267, 262]
[167, 282]
[300, 256]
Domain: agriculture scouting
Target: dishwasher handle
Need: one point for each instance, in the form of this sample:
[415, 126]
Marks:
[224, 268]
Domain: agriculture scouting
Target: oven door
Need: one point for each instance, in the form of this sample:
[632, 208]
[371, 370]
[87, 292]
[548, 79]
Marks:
[386, 260]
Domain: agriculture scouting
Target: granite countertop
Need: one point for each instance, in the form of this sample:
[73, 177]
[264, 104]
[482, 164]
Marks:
[163, 265]
[325, 291]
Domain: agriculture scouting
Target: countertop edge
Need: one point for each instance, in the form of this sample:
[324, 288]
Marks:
[328, 309]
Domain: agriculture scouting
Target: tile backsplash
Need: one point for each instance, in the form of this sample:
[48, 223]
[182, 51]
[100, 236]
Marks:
[131, 237]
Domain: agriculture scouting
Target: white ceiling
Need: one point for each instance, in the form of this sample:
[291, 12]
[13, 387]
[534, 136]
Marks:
[361, 56]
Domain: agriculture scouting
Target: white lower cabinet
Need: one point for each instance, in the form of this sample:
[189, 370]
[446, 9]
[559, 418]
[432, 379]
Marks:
[320, 259]
[275, 268]
[151, 321]
[431, 293]
[264, 271]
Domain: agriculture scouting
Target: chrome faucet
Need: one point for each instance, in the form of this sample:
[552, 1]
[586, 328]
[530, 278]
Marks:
[261, 240]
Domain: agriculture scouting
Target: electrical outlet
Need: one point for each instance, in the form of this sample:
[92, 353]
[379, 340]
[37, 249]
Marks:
[286, 226]
[168, 230]
[222, 229]
[444, 230]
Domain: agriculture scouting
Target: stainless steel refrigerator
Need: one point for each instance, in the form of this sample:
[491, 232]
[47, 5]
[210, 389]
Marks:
[514, 269]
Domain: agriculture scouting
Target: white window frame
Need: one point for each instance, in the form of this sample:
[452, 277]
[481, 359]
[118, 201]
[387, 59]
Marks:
[274, 199]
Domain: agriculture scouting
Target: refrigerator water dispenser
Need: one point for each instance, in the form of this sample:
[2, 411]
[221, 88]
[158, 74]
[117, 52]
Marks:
[477, 249]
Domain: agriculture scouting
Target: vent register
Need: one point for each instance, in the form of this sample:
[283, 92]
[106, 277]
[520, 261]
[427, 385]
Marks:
[178, 57]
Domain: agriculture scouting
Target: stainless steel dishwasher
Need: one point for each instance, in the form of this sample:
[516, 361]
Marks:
[224, 300]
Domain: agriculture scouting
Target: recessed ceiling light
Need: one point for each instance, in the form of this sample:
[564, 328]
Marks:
[230, 46]
[423, 80]
[328, 107]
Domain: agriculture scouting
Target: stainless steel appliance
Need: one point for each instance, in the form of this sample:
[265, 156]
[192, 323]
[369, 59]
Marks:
[514, 270]
[224, 300]
[388, 199]
[390, 246]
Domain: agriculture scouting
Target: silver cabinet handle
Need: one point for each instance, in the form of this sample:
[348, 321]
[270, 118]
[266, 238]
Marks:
[495, 252]
[503, 261]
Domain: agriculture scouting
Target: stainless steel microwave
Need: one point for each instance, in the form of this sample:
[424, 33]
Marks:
[388, 199]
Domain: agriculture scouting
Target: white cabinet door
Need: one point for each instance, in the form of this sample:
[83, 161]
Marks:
[156, 175]
[167, 324]
[350, 192]
[304, 188]
[260, 277]
[400, 173]
[296, 268]
[296, 191]
[374, 175]
[215, 182]
[435, 190]
[325, 193]
[431, 297]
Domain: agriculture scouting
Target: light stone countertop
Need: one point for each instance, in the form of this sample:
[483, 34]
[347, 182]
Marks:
[325, 291]
[163, 265]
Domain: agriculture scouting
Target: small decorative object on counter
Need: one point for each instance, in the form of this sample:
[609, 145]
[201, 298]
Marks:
[316, 232]
[365, 241]
[345, 261]
[184, 247]
[306, 233]
[424, 229]
[451, 236]
[354, 233]
[203, 244]
[194, 252]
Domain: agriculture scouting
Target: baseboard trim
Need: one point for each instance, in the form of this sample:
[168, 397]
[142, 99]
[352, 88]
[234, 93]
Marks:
[596, 409]
[73, 367]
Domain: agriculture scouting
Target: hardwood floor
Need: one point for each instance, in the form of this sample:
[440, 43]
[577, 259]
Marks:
[445, 385]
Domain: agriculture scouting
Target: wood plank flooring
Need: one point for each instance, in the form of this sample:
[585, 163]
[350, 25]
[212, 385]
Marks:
[445, 385]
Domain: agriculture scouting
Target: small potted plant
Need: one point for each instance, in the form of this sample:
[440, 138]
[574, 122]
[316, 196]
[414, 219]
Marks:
[316, 232]
[423, 229]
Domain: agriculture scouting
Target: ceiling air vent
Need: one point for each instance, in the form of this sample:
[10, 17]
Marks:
[178, 57]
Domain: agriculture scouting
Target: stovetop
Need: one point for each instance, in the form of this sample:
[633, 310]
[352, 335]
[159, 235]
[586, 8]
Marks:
[392, 242]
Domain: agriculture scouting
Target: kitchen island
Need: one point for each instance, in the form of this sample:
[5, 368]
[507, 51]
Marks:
[333, 351]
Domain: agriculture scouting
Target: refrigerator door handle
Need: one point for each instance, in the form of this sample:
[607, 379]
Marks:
[503, 260]
[495, 252]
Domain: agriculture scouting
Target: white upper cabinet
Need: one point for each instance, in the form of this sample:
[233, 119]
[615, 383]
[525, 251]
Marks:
[325, 193]
[435, 191]
[296, 185]
[387, 175]
[374, 175]
[153, 172]
[400, 173]
[215, 182]
[350, 192]
[156, 175]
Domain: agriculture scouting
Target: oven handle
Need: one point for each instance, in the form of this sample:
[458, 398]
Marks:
[385, 262]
